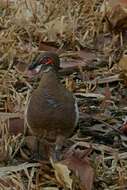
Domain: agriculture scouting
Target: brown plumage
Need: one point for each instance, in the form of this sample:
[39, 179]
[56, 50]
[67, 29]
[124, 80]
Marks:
[52, 109]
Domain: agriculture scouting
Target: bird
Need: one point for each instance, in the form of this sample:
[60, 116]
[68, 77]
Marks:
[52, 111]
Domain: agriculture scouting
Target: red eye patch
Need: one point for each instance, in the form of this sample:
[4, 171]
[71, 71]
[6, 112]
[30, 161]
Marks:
[49, 61]
[46, 61]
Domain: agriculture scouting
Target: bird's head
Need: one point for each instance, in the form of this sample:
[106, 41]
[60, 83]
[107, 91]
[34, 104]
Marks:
[44, 62]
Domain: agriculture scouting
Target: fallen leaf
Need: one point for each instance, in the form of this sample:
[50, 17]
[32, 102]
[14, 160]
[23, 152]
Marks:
[48, 46]
[77, 162]
[84, 58]
[62, 174]
[117, 13]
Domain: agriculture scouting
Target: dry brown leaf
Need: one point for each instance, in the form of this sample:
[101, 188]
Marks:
[62, 174]
[79, 163]
[47, 46]
[82, 58]
[117, 13]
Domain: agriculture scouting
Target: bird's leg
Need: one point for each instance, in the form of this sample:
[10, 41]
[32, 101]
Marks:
[42, 149]
[38, 149]
[58, 147]
[36, 152]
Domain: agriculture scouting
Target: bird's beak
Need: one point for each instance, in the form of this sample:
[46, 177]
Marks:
[33, 72]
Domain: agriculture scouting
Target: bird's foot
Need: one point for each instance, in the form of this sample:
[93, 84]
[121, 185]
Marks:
[58, 152]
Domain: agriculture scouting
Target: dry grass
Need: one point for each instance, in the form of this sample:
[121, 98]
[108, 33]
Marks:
[24, 24]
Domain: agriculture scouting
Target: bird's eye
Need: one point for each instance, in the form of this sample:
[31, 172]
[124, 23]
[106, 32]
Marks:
[49, 61]
[46, 61]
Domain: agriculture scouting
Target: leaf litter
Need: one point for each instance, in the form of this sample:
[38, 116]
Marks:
[93, 60]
